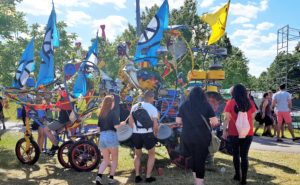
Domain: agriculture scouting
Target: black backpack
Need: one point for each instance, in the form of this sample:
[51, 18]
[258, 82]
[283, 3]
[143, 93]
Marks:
[142, 116]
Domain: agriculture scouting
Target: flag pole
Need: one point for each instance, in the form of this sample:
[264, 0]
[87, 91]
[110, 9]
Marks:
[227, 14]
[138, 18]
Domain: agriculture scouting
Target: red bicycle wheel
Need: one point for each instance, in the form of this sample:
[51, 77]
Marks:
[84, 156]
[30, 156]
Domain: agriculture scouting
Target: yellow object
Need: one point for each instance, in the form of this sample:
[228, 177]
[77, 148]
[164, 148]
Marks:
[145, 64]
[196, 75]
[217, 22]
[101, 64]
[212, 89]
[215, 75]
[147, 84]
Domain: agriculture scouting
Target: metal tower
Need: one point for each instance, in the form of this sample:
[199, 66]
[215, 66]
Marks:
[285, 35]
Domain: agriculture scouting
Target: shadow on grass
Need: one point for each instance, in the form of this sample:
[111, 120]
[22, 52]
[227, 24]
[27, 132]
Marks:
[227, 177]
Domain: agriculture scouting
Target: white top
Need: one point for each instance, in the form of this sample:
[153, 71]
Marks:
[153, 113]
[282, 98]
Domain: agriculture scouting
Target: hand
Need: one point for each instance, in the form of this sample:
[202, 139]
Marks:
[123, 123]
[263, 115]
[225, 134]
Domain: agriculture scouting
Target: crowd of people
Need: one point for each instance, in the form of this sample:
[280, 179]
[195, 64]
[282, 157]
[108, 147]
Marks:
[194, 114]
[275, 112]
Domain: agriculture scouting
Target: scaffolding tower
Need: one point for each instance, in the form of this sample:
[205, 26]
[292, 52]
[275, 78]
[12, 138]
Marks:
[285, 35]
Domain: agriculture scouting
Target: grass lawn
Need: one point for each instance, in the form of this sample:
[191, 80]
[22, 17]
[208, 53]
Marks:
[265, 168]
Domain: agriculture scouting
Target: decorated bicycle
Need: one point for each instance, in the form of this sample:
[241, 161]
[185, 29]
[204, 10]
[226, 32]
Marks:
[36, 97]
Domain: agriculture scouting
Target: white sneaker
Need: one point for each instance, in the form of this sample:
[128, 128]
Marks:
[99, 180]
[111, 181]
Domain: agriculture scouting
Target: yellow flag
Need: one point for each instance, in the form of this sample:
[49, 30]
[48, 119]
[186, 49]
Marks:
[217, 22]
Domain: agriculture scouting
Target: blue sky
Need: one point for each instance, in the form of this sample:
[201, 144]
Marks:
[252, 24]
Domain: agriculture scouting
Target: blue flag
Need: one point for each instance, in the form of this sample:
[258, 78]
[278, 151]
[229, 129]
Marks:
[51, 40]
[149, 41]
[81, 85]
[25, 67]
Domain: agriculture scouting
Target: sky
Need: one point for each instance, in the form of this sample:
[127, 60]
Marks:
[252, 24]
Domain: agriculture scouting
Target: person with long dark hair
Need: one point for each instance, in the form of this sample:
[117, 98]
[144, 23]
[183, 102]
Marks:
[108, 122]
[264, 116]
[196, 136]
[240, 102]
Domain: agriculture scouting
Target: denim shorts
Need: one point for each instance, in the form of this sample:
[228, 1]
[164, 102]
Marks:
[108, 139]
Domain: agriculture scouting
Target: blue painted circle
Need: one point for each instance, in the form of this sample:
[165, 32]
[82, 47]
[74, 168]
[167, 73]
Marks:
[70, 69]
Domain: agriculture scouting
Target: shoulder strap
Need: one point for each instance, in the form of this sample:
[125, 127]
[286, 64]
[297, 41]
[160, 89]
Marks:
[209, 128]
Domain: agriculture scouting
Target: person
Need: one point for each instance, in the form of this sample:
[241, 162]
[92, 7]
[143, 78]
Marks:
[240, 102]
[65, 110]
[125, 108]
[108, 122]
[190, 116]
[40, 117]
[283, 102]
[1, 113]
[251, 97]
[143, 137]
[24, 115]
[264, 116]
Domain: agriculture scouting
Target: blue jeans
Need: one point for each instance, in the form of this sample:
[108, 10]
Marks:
[108, 139]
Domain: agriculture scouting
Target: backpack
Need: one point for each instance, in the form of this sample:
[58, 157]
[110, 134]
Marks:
[242, 124]
[142, 116]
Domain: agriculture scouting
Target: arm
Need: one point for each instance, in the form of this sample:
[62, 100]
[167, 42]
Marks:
[265, 104]
[155, 126]
[131, 121]
[225, 125]
[214, 121]
[274, 102]
[290, 103]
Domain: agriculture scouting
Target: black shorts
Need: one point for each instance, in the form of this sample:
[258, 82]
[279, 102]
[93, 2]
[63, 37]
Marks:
[147, 141]
[64, 116]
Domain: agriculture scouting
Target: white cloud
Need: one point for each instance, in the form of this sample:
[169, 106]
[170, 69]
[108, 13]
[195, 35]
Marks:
[77, 17]
[34, 7]
[248, 25]
[43, 7]
[206, 3]
[260, 59]
[118, 3]
[240, 20]
[114, 25]
[174, 4]
[264, 26]
[249, 10]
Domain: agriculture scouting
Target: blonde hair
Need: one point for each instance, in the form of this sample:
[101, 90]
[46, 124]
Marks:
[105, 107]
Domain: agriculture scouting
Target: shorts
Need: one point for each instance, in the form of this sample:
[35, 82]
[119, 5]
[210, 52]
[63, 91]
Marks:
[147, 141]
[56, 125]
[267, 119]
[108, 139]
[284, 116]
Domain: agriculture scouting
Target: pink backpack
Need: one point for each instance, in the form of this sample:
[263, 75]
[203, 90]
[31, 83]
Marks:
[242, 124]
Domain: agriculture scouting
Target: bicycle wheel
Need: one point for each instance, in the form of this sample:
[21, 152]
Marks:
[84, 156]
[62, 154]
[27, 157]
